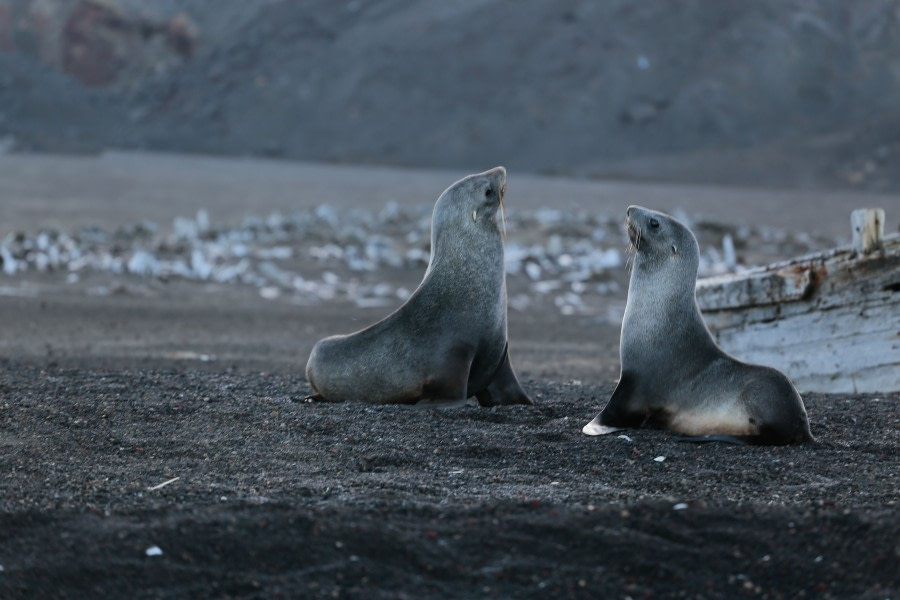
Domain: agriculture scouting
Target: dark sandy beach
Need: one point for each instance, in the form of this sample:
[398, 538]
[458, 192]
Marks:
[155, 444]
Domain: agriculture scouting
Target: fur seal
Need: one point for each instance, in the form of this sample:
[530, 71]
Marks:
[673, 374]
[448, 341]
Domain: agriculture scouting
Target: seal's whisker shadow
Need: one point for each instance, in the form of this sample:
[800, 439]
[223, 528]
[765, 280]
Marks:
[502, 219]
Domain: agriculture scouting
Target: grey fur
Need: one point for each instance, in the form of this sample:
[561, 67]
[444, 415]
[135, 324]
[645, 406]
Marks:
[448, 341]
[673, 374]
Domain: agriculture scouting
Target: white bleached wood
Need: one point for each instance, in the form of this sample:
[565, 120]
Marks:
[868, 229]
[830, 321]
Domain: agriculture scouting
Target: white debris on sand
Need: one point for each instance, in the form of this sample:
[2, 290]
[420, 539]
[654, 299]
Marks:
[568, 259]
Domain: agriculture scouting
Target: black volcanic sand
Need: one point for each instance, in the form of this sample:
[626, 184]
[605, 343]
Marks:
[278, 497]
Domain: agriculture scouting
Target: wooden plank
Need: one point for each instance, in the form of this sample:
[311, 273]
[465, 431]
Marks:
[755, 288]
[851, 349]
[820, 274]
[830, 321]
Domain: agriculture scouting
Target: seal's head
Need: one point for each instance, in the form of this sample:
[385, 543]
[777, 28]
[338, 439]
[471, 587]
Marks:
[467, 210]
[661, 241]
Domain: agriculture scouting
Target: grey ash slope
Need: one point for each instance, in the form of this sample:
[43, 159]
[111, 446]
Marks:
[575, 87]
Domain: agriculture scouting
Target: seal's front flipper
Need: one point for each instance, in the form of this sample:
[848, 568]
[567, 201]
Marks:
[595, 428]
[446, 387]
[504, 388]
[619, 412]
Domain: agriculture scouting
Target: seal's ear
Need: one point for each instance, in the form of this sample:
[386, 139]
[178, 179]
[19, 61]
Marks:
[475, 215]
[674, 249]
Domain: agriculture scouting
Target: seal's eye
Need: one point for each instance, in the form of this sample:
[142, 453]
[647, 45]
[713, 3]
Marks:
[654, 223]
[489, 192]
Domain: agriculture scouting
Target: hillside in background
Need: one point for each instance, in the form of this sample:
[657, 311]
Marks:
[774, 92]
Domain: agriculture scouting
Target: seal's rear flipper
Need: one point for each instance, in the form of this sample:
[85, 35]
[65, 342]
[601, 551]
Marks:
[435, 404]
[766, 437]
[317, 397]
[725, 439]
[504, 388]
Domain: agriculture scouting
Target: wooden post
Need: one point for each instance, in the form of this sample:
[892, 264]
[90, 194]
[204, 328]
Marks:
[868, 230]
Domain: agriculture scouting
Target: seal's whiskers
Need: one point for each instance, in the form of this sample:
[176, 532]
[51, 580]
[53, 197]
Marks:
[634, 241]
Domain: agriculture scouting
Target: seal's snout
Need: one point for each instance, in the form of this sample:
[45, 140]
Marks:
[499, 172]
[634, 211]
[497, 175]
[636, 219]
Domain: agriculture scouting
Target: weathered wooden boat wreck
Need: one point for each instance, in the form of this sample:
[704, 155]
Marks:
[830, 321]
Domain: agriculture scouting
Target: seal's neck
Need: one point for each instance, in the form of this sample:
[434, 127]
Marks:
[469, 277]
[662, 319]
[669, 277]
[467, 252]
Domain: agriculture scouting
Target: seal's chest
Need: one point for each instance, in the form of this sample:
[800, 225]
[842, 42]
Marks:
[721, 419]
